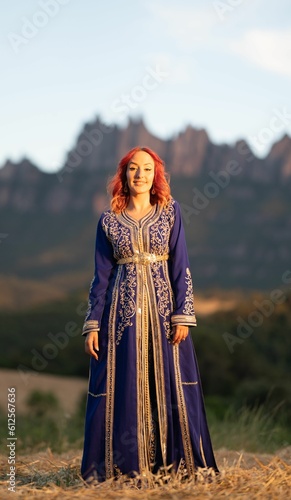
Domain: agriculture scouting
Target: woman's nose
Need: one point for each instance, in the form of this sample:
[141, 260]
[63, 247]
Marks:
[138, 174]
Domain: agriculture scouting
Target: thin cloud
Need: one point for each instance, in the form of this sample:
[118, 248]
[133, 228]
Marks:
[180, 69]
[268, 49]
[188, 25]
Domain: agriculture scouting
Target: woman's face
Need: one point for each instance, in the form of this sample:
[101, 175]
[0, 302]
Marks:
[140, 173]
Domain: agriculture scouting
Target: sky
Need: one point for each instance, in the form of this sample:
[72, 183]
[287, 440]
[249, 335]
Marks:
[224, 66]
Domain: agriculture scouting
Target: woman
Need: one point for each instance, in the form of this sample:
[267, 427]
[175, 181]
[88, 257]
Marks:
[145, 405]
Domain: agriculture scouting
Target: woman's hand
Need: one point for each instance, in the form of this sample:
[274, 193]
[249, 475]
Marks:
[92, 344]
[180, 332]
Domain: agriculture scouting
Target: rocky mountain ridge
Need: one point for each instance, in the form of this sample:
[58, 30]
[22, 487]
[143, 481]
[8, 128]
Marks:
[24, 187]
[236, 210]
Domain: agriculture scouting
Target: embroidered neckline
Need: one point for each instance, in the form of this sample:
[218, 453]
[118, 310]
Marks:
[138, 221]
[130, 221]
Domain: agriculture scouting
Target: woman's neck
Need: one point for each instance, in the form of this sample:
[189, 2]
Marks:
[139, 203]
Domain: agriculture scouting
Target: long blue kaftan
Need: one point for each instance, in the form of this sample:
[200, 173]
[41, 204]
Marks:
[145, 405]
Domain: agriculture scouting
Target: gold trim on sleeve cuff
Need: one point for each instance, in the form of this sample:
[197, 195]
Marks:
[90, 326]
[183, 319]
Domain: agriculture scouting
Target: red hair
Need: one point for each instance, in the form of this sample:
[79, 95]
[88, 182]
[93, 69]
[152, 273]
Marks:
[116, 185]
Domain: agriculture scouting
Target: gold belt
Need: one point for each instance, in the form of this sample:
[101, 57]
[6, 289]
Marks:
[143, 258]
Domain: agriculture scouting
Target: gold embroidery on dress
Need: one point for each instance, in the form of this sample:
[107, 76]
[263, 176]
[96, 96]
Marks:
[183, 417]
[96, 395]
[127, 301]
[89, 307]
[110, 382]
[145, 295]
[189, 300]
[202, 452]
[163, 296]
[90, 325]
[118, 234]
[152, 444]
[182, 319]
[142, 368]
[160, 231]
[158, 369]
[127, 237]
[189, 383]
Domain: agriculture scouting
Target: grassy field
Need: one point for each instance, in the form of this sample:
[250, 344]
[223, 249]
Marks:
[248, 404]
[53, 472]
[50, 413]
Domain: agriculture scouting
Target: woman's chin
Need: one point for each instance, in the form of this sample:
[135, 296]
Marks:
[139, 190]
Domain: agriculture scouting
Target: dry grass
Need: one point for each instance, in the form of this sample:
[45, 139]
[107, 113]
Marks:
[243, 476]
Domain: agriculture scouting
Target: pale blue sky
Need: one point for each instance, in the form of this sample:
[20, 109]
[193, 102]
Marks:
[222, 65]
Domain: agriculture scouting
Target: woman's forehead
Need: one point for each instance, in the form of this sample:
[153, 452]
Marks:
[142, 158]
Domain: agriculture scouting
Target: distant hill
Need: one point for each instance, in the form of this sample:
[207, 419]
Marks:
[68, 390]
[236, 209]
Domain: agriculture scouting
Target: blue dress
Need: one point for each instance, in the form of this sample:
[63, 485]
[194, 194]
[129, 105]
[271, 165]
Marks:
[145, 406]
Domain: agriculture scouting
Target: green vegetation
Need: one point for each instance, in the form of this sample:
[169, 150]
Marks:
[246, 380]
[46, 426]
[252, 369]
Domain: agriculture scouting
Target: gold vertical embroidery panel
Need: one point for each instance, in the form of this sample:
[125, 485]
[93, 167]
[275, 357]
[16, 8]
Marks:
[110, 382]
[183, 414]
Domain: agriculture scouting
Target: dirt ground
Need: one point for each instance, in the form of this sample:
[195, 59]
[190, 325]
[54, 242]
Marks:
[68, 390]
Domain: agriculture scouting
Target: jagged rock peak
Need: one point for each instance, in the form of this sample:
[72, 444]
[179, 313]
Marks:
[190, 131]
[23, 169]
[280, 148]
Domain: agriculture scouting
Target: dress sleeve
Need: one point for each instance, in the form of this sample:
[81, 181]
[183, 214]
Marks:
[180, 274]
[104, 263]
